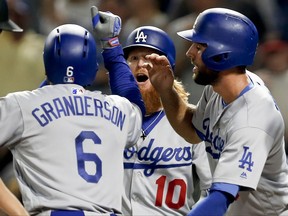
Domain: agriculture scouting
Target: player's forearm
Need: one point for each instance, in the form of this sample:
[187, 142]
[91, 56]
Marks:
[216, 203]
[180, 114]
[9, 203]
[122, 81]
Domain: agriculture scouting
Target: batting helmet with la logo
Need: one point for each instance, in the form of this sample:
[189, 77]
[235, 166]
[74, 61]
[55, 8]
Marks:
[151, 37]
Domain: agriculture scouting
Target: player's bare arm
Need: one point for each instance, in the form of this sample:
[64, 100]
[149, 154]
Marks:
[9, 202]
[178, 112]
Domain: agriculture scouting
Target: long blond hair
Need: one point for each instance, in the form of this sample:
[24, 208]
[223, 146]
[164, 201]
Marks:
[179, 87]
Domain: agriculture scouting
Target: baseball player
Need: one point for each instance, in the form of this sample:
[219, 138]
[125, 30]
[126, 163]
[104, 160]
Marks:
[236, 117]
[8, 201]
[160, 168]
[7, 24]
[67, 141]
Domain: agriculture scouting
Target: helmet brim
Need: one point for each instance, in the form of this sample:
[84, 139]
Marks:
[191, 35]
[128, 48]
[10, 26]
[187, 34]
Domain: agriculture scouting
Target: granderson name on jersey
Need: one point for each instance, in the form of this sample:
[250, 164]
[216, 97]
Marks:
[77, 106]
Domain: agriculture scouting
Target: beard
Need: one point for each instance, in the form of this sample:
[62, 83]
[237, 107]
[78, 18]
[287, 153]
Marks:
[205, 76]
[151, 99]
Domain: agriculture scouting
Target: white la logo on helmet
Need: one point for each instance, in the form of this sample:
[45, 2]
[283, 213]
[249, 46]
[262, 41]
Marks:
[140, 36]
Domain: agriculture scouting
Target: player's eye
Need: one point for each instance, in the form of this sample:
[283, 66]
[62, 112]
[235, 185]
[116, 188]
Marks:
[199, 46]
[133, 58]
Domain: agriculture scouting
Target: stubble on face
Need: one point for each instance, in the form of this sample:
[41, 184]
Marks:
[205, 76]
[202, 75]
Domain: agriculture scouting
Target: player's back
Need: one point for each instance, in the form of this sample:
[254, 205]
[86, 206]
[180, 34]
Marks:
[68, 145]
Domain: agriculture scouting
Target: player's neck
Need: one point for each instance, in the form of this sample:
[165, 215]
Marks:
[155, 111]
[231, 85]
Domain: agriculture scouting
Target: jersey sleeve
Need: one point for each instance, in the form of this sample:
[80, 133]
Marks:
[198, 116]
[135, 125]
[11, 121]
[200, 160]
[243, 159]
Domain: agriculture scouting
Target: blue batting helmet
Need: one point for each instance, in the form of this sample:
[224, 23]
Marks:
[151, 37]
[231, 38]
[70, 55]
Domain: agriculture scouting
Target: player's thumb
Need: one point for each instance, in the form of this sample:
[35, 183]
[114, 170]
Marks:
[95, 16]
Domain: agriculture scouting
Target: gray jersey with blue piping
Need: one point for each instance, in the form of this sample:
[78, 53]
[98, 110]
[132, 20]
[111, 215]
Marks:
[245, 146]
[68, 146]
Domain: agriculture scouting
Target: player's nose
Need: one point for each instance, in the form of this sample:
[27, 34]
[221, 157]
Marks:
[192, 51]
[143, 62]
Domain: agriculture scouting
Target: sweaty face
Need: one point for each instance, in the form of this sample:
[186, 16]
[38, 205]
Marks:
[136, 60]
[201, 74]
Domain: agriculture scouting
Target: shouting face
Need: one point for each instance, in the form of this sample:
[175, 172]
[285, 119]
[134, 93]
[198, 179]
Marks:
[136, 60]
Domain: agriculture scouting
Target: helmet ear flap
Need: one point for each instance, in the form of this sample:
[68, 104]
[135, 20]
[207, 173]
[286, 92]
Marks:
[220, 57]
[217, 60]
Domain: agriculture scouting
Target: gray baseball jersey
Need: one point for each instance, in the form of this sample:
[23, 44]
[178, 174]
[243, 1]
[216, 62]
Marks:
[68, 146]
[245, 146]
[158, 173]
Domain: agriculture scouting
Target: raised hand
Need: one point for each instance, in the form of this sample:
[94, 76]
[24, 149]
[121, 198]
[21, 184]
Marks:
[106, 26]
[160, 72]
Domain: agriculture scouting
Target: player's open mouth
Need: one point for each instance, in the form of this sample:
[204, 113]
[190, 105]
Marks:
[141, 77]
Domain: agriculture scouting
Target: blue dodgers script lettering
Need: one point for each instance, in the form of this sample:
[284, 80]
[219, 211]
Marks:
[217, 142]
[77, 106]
[153, 156]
